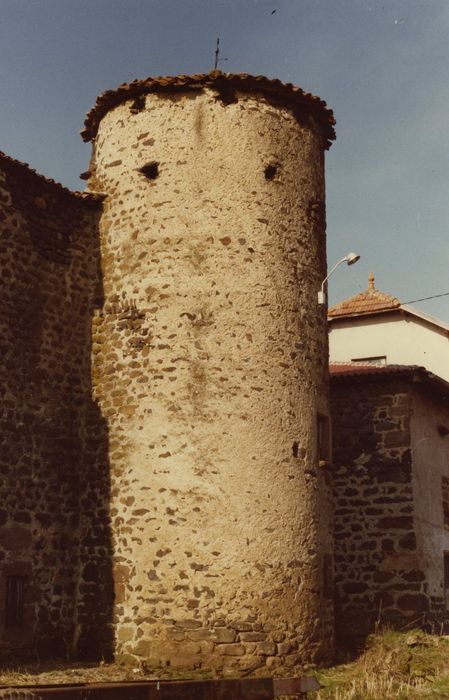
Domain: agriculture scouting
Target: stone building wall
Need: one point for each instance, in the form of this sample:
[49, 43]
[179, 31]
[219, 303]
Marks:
[430, 454]
[381, 477]
[48, 279]
[209, 367]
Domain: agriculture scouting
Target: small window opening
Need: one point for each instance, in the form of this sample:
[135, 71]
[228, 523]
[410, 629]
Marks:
[295, 448]
[373, 360]
[271, 171]
[323, 440]
[14, 601]
[151, 170]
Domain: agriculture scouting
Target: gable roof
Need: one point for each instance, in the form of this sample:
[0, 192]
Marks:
[372, 301]
[287, 93]
[367, 302]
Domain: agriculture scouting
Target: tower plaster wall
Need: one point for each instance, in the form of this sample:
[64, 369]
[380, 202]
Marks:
[209, 365]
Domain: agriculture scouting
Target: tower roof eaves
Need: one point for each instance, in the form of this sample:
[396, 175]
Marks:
[286, 92]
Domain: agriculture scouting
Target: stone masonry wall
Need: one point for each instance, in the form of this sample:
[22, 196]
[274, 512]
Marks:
[209, 367]
[430, 455]
[378, 573]
[48, 281]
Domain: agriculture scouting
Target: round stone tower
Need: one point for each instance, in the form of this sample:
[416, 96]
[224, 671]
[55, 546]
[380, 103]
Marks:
[210, 366]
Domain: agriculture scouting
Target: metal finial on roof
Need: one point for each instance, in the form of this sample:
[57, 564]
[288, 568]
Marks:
[217, 53]
[371, 281]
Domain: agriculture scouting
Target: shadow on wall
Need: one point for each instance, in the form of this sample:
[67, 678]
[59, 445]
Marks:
[94, 633]
[56, 589]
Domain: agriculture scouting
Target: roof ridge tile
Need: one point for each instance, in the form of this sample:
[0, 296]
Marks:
[368, 301]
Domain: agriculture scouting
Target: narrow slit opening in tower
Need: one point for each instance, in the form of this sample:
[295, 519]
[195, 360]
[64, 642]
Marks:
[271, 170]
[150, 170]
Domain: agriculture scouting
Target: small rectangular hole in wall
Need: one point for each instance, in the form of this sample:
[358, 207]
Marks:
[323, 439]
[150, 170]
[14, 601]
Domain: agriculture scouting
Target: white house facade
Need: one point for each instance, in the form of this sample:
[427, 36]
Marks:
[375, 328]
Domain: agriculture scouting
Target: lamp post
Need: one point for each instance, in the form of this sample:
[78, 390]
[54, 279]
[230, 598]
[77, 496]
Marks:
[349, 259]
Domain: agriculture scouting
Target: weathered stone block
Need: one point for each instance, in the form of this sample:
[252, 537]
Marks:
[252, 636]
[184, 661]
[278, 636]
[292, 660]
[231, 649]
[200, 634]
[207, 648]
[401, 522]
[241, 626]
[176, 635]
[15, 538]
[418, 602]
[355, 587]
[144, 648]
[267, 648]
[188, 624]
[273, 662]
[250, 647]
[191, 648]
[414, 575]
[397, 438]
[224, 635]
[383, 576]
[384, 599]
[408, 541]
[284, 648]
[125, 634]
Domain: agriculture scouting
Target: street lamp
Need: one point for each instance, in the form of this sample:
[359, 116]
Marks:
[349, 259]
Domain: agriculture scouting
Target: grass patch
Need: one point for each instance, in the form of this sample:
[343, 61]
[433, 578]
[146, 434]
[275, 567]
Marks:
[394, 665]
[72, 673]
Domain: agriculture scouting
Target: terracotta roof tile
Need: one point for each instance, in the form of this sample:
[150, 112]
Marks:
[11, 163]
[342, 373]
[287, 93]
[368, 302]
[356, 369]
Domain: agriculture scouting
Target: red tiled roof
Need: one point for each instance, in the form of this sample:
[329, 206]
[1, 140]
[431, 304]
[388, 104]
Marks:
[342, 372]
[368, 302]
[355, 369]
[302, 102]
[11, 163]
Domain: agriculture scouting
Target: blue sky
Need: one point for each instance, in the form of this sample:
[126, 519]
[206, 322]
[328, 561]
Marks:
[382, 65]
